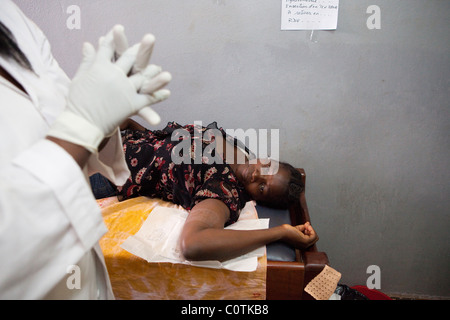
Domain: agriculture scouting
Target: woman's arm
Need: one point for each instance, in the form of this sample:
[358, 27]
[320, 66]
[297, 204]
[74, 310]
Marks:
[204, 237]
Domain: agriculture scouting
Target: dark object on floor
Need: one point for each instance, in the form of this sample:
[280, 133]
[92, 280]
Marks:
[348, 293]
[371, 294]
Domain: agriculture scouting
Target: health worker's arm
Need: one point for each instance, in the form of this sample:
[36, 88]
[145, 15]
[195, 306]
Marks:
[49, 220]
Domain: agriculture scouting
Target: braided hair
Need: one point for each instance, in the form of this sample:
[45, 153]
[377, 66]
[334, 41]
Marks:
[294, 188]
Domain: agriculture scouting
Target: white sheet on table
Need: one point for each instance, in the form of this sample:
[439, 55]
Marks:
[158, 239]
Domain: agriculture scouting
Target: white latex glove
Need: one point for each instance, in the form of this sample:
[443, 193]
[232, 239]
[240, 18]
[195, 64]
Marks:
[102, 95]
[141, 61]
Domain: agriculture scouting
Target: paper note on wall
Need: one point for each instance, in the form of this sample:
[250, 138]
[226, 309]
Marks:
[309, 14]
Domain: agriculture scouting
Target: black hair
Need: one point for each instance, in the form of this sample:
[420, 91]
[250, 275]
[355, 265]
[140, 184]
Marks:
[294, 188]
[10, 49]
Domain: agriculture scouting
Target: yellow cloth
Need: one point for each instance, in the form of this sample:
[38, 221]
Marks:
[134, 278]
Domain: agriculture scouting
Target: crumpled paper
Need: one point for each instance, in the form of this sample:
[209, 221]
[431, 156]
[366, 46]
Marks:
[324, 284]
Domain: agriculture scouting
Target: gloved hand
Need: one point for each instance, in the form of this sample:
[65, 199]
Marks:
[140, 65]
[102, 94]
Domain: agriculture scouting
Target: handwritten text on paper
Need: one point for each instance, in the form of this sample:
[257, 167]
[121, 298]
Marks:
[309, 14]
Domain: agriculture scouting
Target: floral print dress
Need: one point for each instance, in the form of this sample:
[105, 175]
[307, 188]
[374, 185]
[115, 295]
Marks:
[153, 159]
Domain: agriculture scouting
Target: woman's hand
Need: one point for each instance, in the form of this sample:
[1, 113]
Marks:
[301, 236]
[204, 237]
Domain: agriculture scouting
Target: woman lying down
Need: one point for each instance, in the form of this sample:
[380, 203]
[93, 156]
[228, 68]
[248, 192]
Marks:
[212, 189]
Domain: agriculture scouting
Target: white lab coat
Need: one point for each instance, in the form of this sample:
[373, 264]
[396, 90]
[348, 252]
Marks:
[49, 219]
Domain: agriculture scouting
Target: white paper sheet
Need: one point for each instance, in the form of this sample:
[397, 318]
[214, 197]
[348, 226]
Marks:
[309, 14]
[158, 239]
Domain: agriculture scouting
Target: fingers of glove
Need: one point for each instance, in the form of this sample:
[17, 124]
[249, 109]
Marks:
[145, 100]
[128, 58]
[149, 86]
[149, 115]
[88, 52]
[144, 53]
[120, 40]
[138, 79]
[151, 71]
[106, 47]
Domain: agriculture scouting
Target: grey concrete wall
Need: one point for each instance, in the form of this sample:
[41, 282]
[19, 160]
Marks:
[365, 112]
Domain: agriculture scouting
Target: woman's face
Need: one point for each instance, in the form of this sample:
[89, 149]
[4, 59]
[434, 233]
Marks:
[260, 183]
